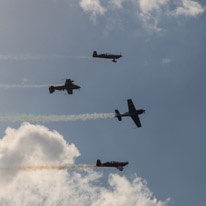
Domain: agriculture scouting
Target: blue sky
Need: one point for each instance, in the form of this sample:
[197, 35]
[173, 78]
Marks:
[162, 70]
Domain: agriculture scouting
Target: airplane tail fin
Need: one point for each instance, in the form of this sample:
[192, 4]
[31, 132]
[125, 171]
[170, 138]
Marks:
[118, 115]
[51, 89]
[94, 54]
[98, 164]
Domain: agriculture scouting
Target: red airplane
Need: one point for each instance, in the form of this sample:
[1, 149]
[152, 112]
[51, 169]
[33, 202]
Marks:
[118, 165]
[69, 86]
[107, 56]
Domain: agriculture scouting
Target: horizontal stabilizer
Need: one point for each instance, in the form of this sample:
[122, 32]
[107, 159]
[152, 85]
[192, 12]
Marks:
[118, 115]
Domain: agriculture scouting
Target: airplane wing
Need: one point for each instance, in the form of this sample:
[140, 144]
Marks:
[120, 168]
[59, 88]
[136, 121]
[69, 91]
[131, 106]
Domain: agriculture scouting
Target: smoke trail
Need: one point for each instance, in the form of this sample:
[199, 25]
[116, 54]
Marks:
[24, 57]
[10, 86]
[34, 168]
[54, 118]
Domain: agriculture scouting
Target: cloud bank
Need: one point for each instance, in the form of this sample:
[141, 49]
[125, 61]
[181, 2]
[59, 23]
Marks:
[93, 6]
[35, 144]
[150, 12]
[189, 8]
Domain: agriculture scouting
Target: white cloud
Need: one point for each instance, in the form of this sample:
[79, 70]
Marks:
[123, 193]
[150, 12]
[51, 188]
[35, 144]
[117, 3]
[151, 22]
[166, 61]
[189, 8]
[149, 5]
[92, 6]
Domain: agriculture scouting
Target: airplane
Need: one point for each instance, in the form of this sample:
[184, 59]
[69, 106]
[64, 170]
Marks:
[69, 86]
[133, 113]
[107, 56]
[118, 165]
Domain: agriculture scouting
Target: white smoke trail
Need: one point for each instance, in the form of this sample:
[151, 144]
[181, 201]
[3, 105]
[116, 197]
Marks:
[54, 118]
[11, 86]
[42, 167]
[24, 57]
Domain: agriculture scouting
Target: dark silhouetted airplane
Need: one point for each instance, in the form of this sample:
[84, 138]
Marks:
[69, 86]
[133, 113]
[107, 56]
[118, 165]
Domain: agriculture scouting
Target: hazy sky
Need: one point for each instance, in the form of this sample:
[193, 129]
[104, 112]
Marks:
[163, 43]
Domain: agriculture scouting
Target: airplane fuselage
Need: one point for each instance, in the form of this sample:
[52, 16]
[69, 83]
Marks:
[73, 86]
[128, 114]
[118, 165]
[114, 164]
[107, 56]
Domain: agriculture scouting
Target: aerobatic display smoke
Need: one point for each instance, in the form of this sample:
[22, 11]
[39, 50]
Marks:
[55, 118]
[24, 57]
[11, 86]
[44, 167]
[39, 169]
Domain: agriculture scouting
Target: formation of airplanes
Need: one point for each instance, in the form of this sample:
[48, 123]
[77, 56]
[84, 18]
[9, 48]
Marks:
[134, 113]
